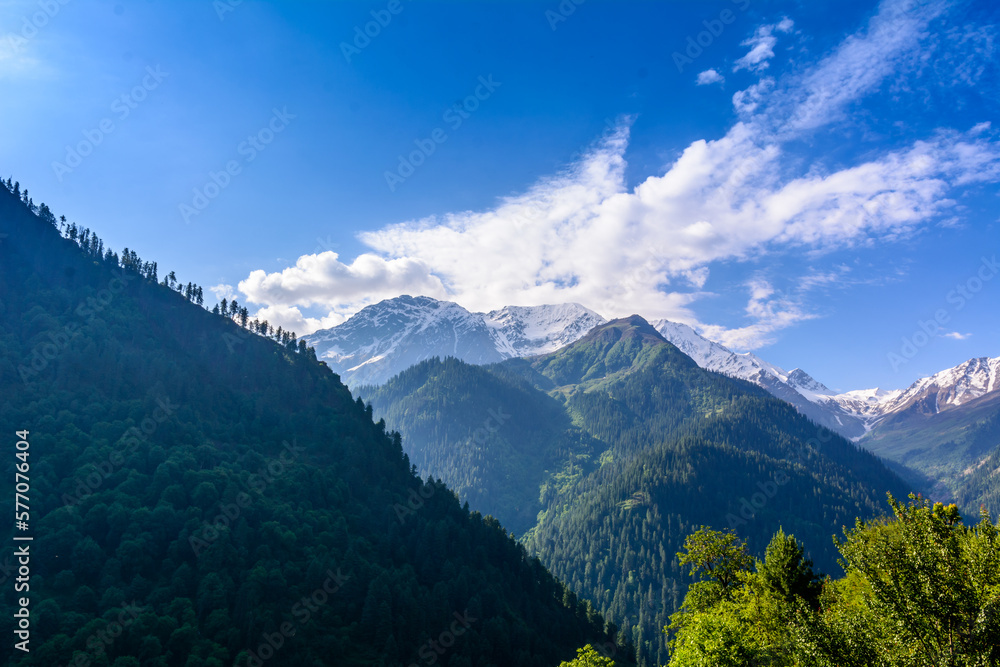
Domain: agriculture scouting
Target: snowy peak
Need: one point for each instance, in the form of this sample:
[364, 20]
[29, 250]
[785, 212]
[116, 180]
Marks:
[386, 338]
[810, 397]
[532, 330]
[803, 383]
[389, 337]
[949, 388]
[852, 413]
[715, 357]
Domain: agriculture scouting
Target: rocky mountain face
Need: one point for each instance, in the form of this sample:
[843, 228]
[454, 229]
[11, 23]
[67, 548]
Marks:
[385, 339]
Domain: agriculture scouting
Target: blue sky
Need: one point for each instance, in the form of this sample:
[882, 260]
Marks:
[809, 181]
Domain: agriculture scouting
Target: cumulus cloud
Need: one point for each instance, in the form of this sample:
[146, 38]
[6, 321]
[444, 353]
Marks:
[584, 236]
[322, 279]
[291, 318]
[762, 46]
[709, 77]
[957, 336]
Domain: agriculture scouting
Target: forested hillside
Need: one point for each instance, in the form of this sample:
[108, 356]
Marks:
[497, 438]
[659, 447]
[957, 450]
[204, 492]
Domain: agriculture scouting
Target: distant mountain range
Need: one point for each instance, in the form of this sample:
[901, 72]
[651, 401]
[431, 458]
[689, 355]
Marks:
[386, 338]
[923, 428]
[852, 413]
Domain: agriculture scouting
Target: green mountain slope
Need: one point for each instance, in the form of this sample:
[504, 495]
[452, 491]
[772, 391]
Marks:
[664, 447]
[509, 434]
[957, 449]
[200, 495]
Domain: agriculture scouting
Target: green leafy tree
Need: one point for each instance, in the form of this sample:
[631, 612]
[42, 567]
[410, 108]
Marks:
[929, 587]
[718, 559]
[588, 657]
[736, 616]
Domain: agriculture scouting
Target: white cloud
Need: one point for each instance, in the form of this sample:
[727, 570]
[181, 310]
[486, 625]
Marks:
[857, 66]
[322, 279]
[957, 336]
[762, 46]
[584, 236]
[709, 77]
[747, 101]
[823, 279]
[222, 291]
[290, 318]
[771, 313]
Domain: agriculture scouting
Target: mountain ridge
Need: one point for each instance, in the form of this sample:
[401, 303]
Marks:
[924, 429]
[614, 447]
[159, 474]
[385, 338]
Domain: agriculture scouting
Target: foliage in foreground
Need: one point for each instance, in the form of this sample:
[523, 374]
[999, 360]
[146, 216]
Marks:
[920, 589]
[588, 656]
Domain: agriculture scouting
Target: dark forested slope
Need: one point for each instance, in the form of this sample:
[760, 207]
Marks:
[202, 495]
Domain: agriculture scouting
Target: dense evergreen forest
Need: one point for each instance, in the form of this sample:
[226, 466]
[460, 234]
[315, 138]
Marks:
[622, 446]
[955, 452]
[981, 485]
[204, 492]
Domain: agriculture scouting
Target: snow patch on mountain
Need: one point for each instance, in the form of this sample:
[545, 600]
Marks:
[715, 357]
[852, 413]
[952, 387]
[525, 331]
[382, 340]
[386, 338]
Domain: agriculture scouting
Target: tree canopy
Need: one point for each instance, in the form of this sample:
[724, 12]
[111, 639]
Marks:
[920, 588]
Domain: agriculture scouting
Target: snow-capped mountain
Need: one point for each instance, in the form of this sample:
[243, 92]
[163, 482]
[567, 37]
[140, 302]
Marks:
[949, 388]
[852, 413]
[797, 387]
[943, 391]
[946, 427]
[386, 338]
[937, 430]
[389, 337]
[525, 331]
